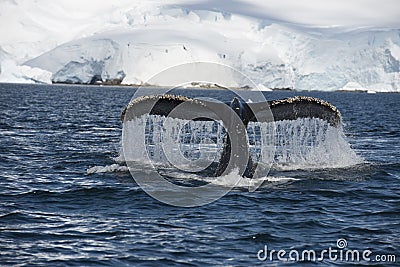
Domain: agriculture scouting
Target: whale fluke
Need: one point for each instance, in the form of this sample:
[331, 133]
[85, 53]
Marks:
[290, 108]
[166, 105]
[186, 108]
[293, 108]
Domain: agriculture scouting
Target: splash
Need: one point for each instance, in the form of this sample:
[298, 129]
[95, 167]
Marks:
[191, 149]
[187, 145]
[307, 143]
[233, 179]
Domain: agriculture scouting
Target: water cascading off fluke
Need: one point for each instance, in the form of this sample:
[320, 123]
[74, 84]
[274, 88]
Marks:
[234, 135]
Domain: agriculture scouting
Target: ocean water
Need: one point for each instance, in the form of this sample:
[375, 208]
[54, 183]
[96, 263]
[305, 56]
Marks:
[64, 200]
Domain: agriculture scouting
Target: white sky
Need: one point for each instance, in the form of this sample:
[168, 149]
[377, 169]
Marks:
[347, 13]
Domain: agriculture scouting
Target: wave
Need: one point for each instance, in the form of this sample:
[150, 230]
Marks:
[108, 168]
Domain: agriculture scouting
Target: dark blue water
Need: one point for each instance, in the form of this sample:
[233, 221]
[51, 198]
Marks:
[53, 213]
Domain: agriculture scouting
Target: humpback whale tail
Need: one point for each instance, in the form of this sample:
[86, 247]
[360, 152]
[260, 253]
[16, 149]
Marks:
[235, 115]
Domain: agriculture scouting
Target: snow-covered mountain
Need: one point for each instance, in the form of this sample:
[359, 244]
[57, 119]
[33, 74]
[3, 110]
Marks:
[68, 41]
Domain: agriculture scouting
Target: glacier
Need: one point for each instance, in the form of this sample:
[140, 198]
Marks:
[83, 62]
[130, 43]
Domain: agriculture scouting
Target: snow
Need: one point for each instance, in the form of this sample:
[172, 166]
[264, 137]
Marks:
[263, 88]
[79, 62]
[328, 13]
[307, 45]
[353, 86]
[12, 73]
[395, 51]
